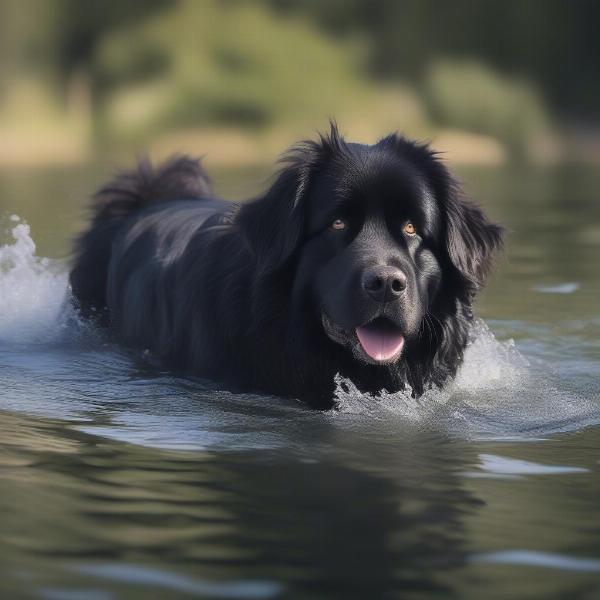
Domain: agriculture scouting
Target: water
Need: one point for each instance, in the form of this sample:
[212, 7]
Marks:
[119, 480]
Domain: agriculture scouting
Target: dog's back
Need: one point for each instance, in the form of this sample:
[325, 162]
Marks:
[116, 206]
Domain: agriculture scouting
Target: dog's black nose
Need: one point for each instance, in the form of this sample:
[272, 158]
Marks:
[384, 284]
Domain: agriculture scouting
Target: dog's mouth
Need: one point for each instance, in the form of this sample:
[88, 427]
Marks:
[380, 341]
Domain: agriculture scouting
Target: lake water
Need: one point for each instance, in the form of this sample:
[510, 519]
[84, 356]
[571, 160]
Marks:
[119, 481]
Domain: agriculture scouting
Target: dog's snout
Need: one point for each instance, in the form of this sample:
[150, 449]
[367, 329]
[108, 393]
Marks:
[384, 284]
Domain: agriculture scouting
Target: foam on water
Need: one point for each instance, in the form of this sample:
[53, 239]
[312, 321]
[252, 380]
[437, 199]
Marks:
[33, 290]
[50, 365]
[488, 364]
[497, 394]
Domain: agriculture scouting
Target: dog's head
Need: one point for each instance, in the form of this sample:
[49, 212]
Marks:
[381, 243]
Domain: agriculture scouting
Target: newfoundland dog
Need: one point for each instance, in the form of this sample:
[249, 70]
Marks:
[359, 260]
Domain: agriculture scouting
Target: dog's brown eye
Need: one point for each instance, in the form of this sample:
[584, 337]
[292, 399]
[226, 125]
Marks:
[409, 228]
[338, 224]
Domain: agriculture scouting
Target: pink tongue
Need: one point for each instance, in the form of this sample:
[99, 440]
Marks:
[379, 345]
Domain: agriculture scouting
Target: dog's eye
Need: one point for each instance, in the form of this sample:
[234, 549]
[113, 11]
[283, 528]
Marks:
[339, 224]
[409, 228]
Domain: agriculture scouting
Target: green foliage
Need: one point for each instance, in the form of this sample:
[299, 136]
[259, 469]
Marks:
[232, 63]
[468, 95]
[551, 43]
[137, 69]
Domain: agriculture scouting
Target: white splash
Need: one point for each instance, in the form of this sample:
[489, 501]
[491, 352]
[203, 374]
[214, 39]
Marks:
[488, 364]
[33, 290]
[496, 394]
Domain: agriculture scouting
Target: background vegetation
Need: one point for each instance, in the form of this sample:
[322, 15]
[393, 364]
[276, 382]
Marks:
[488, 81]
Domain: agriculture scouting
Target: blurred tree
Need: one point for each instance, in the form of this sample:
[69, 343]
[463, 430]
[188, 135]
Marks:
[79, 26]
[233, 63]
[141, 67]
[553, 43]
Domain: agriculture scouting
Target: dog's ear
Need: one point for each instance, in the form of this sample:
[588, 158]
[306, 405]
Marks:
[472, 240]
[273, 224]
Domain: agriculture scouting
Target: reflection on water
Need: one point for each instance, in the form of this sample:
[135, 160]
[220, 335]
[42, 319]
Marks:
[118, 480]
[353, 516]
[333, 523]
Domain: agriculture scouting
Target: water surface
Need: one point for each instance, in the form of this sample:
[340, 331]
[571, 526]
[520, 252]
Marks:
[118, 480]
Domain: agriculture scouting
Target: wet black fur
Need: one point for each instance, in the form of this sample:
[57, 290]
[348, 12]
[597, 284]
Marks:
[231, 291]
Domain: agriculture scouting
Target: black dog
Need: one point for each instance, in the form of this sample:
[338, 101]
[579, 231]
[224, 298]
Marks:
[359, 260]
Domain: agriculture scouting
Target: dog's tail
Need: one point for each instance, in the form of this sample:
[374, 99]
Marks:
[180, 178]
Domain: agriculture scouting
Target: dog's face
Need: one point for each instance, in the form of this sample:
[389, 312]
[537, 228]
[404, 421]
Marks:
[372, 225]
[380, 242]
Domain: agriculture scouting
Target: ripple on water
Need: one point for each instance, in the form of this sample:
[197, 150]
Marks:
[547, 560]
